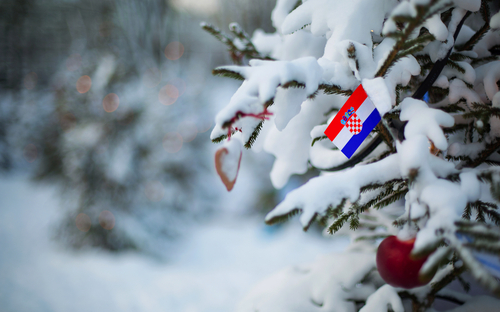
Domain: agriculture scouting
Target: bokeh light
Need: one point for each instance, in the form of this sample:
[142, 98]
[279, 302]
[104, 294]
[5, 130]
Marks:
[83, 84]
[110, 102]
[82, 222]
[67, 121]
[107, 220]
[172, 142]
[204, 125]
[154, 191]
[179, 84]
[74, 62]
[174, 50]
[151, 77]
[30, 80]
[188, 130]
[30, 152]
[168, 94]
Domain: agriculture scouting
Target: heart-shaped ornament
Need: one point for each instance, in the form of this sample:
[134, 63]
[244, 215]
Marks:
[227, 162]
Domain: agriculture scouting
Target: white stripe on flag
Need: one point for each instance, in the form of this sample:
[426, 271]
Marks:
[342, 138]
[365, 109]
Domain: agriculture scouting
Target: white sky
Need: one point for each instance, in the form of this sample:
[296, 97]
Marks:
[204, 7]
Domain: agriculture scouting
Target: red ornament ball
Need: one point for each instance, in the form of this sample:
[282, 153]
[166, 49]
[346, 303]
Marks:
[396, 265]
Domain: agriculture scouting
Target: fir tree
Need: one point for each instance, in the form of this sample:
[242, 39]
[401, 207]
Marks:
[429, 171]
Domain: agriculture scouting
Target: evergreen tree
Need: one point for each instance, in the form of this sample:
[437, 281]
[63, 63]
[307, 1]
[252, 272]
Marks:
[426, 180]
[82, 100]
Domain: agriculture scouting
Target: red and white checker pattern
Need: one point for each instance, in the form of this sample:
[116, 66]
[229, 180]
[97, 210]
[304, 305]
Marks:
[354, 124]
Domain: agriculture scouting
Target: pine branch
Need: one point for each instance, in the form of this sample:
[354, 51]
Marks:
[391, 199]
[455, 66]
[490, 149]
[423, 12]
[224, 72]
[337, 211]
[418, 41]
[406, 52]
[250, 50]
[464, 283]
[284, 217]
[339, 222]
[293, 84]
[456, 56]
[324, 137]
[236, 53]
[477, 270]
[478, 231]
[354, 222]
[371, 237]
[467, 212]
[485, 11]
[447, 279]
[475, 38]
[379, 157]
[333, 89]
[254, 135]
[351, 53]
[486, 59]
[489, 247]
[225, 39]
[375, 186]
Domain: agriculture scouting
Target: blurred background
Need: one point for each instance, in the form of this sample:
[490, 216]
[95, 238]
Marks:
[108, 195]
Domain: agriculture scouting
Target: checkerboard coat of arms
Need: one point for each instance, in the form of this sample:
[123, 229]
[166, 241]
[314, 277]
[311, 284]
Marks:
[354, 124]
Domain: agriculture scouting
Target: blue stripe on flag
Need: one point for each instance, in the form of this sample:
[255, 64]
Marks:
[356, 140]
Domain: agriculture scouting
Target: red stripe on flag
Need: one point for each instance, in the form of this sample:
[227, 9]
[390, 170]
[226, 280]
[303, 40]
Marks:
[355, 100]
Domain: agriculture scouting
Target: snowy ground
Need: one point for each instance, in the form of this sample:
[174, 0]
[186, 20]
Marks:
[211, 271]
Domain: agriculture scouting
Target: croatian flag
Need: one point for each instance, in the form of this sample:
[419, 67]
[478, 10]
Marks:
[352, 124]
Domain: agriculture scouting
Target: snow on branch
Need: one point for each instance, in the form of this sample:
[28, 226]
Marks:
[314, 197]
[324, 285]
[262, 78]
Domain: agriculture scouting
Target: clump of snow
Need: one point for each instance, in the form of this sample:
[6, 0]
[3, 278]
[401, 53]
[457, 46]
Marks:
[495, 21]
[299, 44]
[441, 82]
[280, 11]
[400, 74]
[470, 185]
[437, 50]
[376, 89]
[469, 76]
[496, 100]
[322, 285]
[291, 145]
[340, 20]
[488, 75]
[458, 90]
[424, 120]
[436, 27]
[489, 40]
[446, 201]
[287, 104]
[386, 296]
[265, 43]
